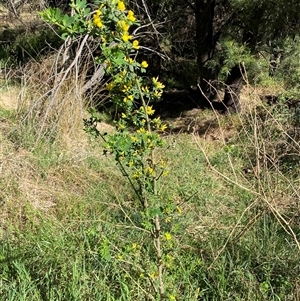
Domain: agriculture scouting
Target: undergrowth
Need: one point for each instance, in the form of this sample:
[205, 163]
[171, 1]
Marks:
[69, 231]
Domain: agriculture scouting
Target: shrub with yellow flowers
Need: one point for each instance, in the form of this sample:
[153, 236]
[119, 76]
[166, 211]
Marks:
[138, 133]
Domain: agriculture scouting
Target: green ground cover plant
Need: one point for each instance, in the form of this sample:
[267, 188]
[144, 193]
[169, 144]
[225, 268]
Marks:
[90, 243]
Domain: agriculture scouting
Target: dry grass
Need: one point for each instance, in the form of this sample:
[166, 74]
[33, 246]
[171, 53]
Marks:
[9, 97]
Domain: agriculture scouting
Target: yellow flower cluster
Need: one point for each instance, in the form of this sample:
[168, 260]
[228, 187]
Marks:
[97, 20]
[168, 236]
[149, 171]
[135, 247]
[110, 86]
[128, 98]
[123, 25]
[157, 84]
[136, 175]
[126, 88]
[157, 93]
[165, 173]
[149, 110]
[129, 60]
[145, 89]
[130, 16]
[169, 260]
[141, 131]
[126, 37]
[134, 138]
[121, 5]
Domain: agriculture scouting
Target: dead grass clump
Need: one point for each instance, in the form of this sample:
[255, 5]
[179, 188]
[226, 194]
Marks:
[58, 90]
[267, 145]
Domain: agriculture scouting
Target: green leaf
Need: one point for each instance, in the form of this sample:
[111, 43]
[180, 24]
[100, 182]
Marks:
[67, 21]
[80, 4]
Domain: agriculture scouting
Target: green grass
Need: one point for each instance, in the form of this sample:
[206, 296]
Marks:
[69, 223]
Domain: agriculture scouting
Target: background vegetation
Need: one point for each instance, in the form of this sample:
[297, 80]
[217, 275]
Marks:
[69, 229]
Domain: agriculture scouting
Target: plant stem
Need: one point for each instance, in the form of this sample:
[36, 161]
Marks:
[157, 238]
[157, 229]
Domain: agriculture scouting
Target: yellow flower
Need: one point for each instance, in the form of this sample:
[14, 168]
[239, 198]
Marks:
[153, 275]
[157, 94]
[126, 37]
[144, 64]
[168, 219]
[126, 88]
[163, 127]
[120, 257]
[157, 84]
[123, 73]
[124, 115]
[123, 25]
[165, 173]
[178, 209]
[136, 175]
[135, 246]
[130, 164]
[110, 86]
[134, 139]
[140, 131]
[135, 44]
[97, 21]
[149, 171]
[130, 16]
[130, 97]
[172, 298]
[145, 89]
[168, 236]
[169, 260]
[98, 12]
[129, 60]
[150, 111]
[121, 5]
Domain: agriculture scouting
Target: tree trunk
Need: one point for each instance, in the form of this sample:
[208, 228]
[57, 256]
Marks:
[204, 12]
[234, 84]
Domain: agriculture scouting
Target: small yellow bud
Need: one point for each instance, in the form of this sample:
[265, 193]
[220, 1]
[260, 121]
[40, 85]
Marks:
[144, 64]
[135, 44]
[168, 236]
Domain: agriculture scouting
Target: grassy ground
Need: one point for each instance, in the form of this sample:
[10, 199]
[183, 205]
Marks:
[69, 229]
